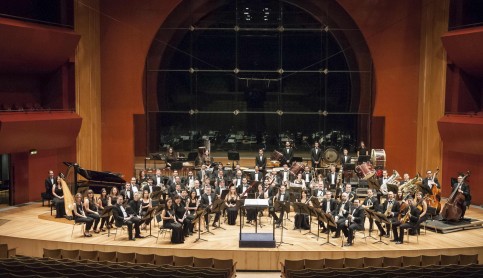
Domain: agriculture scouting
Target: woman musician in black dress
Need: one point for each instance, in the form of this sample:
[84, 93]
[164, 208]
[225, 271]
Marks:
[251, 212]
[181, 215]
[146, 204]
[112, 201]
[58, 200]
[102, 203]
[80, 216]
[301, 220]
[169, 222]
[230, 202]
[91, 210]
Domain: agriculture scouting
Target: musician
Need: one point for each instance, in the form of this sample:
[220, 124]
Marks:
[134, 185]
[220, 177]
[206, 159]
[328, 205]
[332, 179]
[170, 157]
[242, 189]
[113, 195]
[464, 189]
[217, 169]
[384, 177]
[58, 199]
[189, 180]
[252, 212]
[307, 175]
[49, 184]
[390, 208]
[287, 153]
[257, 175]
[237, 179]
[299, 181]
[148, 185]
[177, 191]
[428, 183]
[169, 222]
[91, 210]
[102, 203]
[181, 213]
[273, 178]
[301, 220]
[412, 222]
[230, 202]
[372, 203]
[196, 188]
[122, 218]
[282, 197]
[345, 158]
[351, 196]
[207, 182]
[80, 216]
[319, 192]
[362, 149]
[142, 177]
[127, 193]
[399, 196]
[173, 180]
[206, 202]
[192, 203]
[202, 173]
[146, 203]
[220, 188]
[355, 222]
[340, 214]
[261, 161]
[158, 179]
[285, 175]
[315, 155]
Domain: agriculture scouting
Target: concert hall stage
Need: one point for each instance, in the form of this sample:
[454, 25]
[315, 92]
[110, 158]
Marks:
[30, 228]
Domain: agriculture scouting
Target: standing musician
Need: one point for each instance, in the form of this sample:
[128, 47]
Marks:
[257, 175]
[287, 154]
[409, 220]
[351, 196]
[371, 202]
[345, 158]
[428, 182]
[284, 198]
[58, 200]
[328, 205]
[316, 155]
[464, 189]
[206, 202]
[332, 179]
[390, 208]
[340, 214]
[261, 161]
[355, 222]
[362, 149]
[50, 182]
[122, 218]
[230, 202]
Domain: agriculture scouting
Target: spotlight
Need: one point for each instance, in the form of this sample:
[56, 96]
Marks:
[33, 152]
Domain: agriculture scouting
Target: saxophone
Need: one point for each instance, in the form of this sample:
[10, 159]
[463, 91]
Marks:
[391, 180]
[406, 217]
[389, 209]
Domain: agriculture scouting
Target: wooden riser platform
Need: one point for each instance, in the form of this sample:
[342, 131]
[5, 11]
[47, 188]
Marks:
[448, 227]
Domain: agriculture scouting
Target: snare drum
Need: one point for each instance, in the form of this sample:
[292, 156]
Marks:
[378, 158]
[296, 168]
[365, 171]
[331, 155]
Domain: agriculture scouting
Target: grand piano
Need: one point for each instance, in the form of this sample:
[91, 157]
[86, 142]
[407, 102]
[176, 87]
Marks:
[79, 179]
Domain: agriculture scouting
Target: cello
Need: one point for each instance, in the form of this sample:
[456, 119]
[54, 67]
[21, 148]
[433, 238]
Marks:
[452, 209]
[434, 199]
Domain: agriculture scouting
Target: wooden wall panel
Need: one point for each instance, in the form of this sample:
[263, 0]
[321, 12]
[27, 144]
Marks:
[88, 83]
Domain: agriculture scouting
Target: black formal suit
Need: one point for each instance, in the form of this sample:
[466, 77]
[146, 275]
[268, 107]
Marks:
[284, 199]
[261, 163]
[315, 156]
[425, 186]
[150, 189]
[127, 194]
[466, 192]
[318, 192]
[307, 177]
[411, 224]
[372, 203]
[199, 192]
[242, 188]
[205, 203]
[287, 155]
[49, 184]
[290, 177]
[327, 206]
[218, 190]
[200, 174]
[157, 180]
[341, 211]
[356, 223]
[256, 178]
[218, 179]
[135, 206]
[393, 218]
[345, 159]
[120, 219]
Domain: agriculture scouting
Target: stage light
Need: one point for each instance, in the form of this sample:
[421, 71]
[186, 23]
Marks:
[33, 152]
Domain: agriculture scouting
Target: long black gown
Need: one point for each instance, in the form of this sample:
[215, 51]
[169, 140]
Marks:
[232, 212]
[176, 230]
[302, 221]
[59, 203]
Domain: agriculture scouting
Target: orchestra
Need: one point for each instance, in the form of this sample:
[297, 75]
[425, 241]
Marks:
[216, 190]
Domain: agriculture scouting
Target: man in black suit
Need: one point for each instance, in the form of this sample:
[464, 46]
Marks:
[127, 192]
[428, 183]
[189, 181]
[316, 155]
[158, 179]
[464, 189]
[196, 188]
[257, 175]
[332, 180]
[370, 202]
[50, 181]
[282, 197]
[202, 173]
[285, 175]
[206, 202]
[220, 187]
[122, 218]
[261, 161]
[319, 191]
[345, 158]
[307, 176]
[149, 186]
[219, 177]
[287, 153]
[355, 222]
[412, 222]
[243, 187]
[134, 205]
[390, 213]
[340, 214]
[351, 196]
[328, 205]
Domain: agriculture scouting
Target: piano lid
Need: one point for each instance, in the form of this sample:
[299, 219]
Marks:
[96, 176]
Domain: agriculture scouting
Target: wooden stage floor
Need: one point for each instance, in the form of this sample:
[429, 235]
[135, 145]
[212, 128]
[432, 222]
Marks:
[31, 228]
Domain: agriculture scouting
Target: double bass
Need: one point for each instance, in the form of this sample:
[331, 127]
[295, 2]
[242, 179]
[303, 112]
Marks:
[452, 209]
[434, 199]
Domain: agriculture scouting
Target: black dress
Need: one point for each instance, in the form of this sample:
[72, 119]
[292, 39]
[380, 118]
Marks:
[180, 211]
[302, 221]
[104, 202]
[232, 212]
[176, 230]
[59, 202]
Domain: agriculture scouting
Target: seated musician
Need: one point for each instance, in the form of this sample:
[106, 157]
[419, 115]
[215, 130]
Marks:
[242, 189]
[328, 205]
[207, 182]
[127, 192]
[80, 216]
[206, 159]
[202, 173]
[273, 178]
[142, 177]
[408, 220]
[301, 220]
[464, 189]
[91, 209]
[355, 222]
[189, 181]
[283, 198]
[181, 216]
[256, 175]
[219, 177]
[134, 206]
[299, 181]
[197, 189]
[134, 185]
[58, 199]
[230, 202]
[285, 175]
[370, 202]
[315, 155]
[429, 182]
[169, 222]
[122, 218]
[307, 176]
[252, 212]
[176, 192]
[287, 154]
[351, 196]
[170, 157]
[390, 208]
[319, 191]
[206, 203]
[332, 179]
[423, 209]
[102, 203]
[261, 161]
[237, 180]
[219, 188]
[146, 203]
[158, 179]
[148, 185]
[112, 201]
[340, 214]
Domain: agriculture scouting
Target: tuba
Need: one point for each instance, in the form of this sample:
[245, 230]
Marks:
[410, 186]
[391, 180]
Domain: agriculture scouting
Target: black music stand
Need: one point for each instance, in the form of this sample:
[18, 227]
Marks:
[219, 206]
[381, 218]
[302, 209]
[200, 213]
[149, 216]
[239, 206]
[329, 218]
[312, 211]
[371, 215]
[320, 217]
[363, 158]
[283, 206]
[157, 212]
[107, 212]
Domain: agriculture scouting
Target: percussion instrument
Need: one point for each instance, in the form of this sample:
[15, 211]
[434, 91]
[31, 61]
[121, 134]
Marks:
[331, 155]
[365, 171]
[378, 157]
[201, 151]
[296, 168]
[276, 156]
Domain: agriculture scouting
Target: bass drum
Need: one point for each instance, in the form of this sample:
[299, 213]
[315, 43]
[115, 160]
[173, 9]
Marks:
[331, 155]
[296, 168]
[378, 158]
[276, 156]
